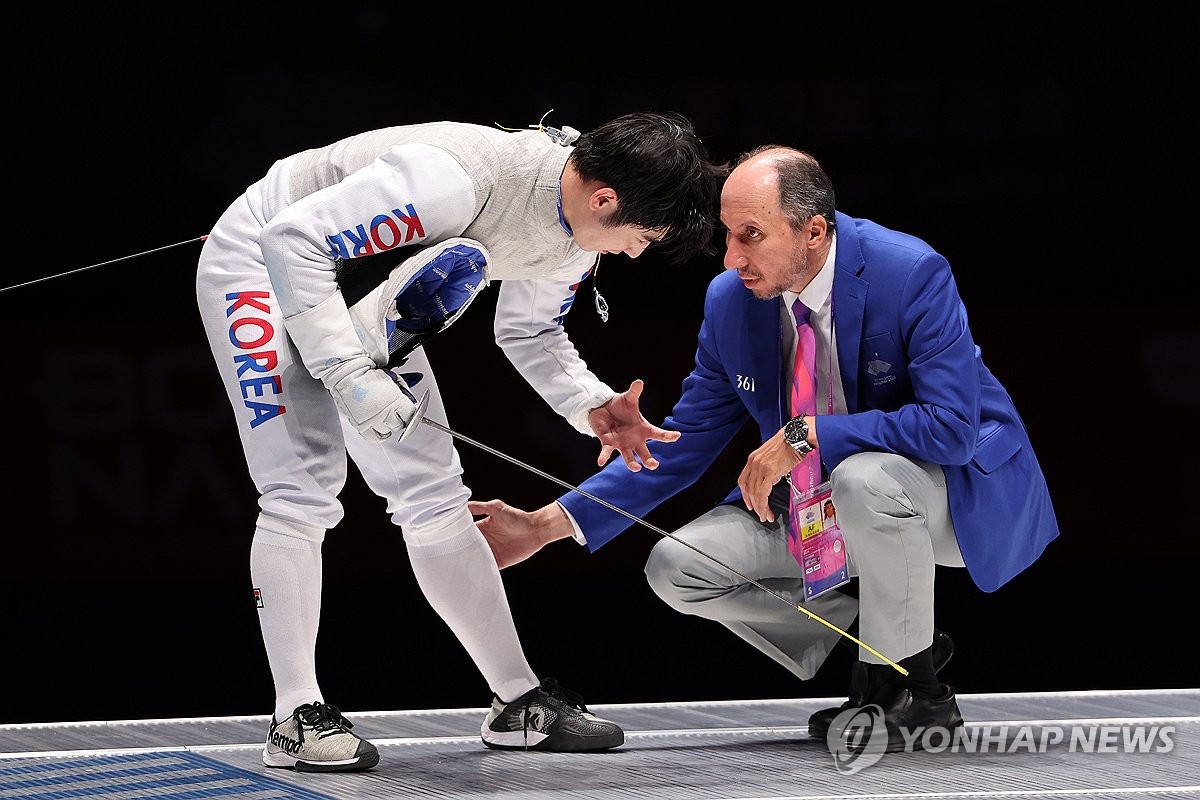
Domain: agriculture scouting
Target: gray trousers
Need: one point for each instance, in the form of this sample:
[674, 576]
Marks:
[895, 518]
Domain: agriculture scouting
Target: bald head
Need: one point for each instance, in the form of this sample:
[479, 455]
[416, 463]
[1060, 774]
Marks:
[777, 209]
[752, 190]
[780, 180]
[755, 180]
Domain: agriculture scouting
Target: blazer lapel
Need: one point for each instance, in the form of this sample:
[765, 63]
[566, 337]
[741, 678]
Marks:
[849, 307]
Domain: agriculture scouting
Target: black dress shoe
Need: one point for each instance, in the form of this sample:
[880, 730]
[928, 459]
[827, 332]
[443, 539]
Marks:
[818, 723]
[908, 718]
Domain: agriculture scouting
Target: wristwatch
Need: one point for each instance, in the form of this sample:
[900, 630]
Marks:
[796, 433]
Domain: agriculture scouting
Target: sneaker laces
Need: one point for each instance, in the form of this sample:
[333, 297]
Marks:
[552, 687]
[323, 718]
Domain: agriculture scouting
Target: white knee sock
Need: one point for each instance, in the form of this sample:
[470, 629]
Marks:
[458, 574]
[285, 567]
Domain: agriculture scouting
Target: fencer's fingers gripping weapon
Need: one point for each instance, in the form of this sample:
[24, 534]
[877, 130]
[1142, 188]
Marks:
[661, 532]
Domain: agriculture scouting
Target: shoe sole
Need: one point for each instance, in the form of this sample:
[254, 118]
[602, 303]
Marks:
[516, 740]
[284, 761]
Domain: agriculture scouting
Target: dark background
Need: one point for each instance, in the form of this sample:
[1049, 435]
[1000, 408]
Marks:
[1043, 155]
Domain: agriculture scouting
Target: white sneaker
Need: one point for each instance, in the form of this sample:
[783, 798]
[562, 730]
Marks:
[317, 738]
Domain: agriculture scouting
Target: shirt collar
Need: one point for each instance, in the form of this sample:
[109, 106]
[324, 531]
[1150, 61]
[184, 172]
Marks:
[820, 289]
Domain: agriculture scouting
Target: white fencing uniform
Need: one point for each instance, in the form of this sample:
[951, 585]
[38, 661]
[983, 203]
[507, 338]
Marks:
[276, 253]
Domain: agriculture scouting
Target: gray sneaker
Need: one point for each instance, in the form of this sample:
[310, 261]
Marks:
[548, 717]
[317, 738]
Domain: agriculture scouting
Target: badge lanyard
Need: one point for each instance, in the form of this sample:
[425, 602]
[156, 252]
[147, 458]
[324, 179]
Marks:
[796, 493]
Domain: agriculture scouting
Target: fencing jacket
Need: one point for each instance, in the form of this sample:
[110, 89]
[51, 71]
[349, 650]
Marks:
[367, 200]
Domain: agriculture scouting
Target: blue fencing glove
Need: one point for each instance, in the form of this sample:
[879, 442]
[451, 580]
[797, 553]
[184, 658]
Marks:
[437, 286]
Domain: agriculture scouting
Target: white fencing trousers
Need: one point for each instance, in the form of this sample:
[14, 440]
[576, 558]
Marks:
[296, 447]
[692, 584]
[895, 516]
[292, 435]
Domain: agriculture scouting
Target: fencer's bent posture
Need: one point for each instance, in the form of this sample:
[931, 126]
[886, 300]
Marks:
[317, 288]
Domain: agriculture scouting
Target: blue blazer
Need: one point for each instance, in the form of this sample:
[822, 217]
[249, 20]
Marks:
[915, 384]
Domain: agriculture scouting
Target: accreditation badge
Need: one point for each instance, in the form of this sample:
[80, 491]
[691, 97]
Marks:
[816, 542]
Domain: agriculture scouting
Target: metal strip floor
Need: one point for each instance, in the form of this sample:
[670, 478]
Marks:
[1103, 744]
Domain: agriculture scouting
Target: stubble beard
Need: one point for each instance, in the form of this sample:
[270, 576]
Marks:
[794, 275]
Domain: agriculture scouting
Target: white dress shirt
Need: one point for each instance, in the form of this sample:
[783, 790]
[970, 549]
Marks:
[818, 296]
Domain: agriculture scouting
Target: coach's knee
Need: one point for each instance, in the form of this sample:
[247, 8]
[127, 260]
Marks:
[867, 483]
[667, 572]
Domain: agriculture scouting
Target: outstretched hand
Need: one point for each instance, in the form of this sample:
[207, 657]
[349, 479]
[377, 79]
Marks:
[509, 531]
[621, 428]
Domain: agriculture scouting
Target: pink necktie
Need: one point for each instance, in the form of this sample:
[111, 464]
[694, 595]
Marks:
[806, 474]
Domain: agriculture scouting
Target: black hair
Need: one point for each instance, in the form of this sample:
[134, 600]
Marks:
[805, 190]
[661, 172]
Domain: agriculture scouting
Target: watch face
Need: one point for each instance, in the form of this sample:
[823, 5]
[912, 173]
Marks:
[795, 431]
